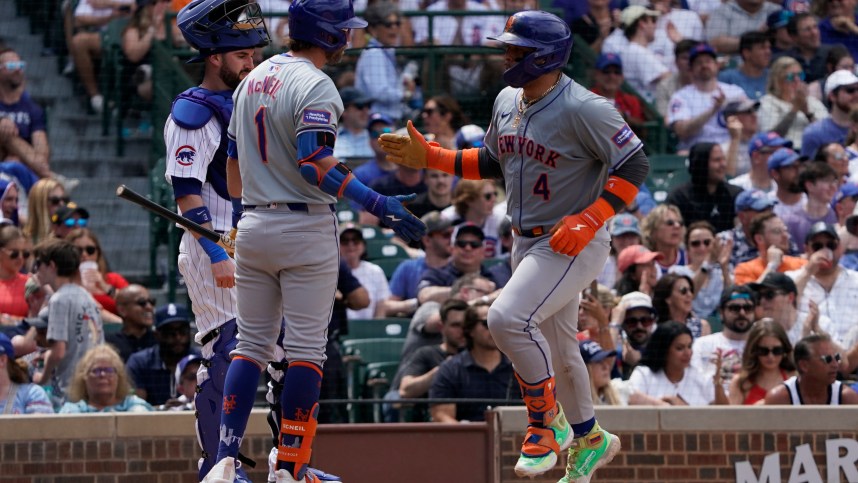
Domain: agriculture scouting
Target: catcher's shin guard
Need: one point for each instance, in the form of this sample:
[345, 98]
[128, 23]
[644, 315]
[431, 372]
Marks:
[302, 433]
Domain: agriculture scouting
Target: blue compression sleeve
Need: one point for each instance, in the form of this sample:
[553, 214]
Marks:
[215, 252]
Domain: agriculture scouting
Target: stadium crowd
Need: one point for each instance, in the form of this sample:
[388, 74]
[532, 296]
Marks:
[740, 286]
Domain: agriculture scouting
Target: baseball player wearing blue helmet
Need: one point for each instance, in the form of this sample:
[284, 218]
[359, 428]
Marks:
[281, 164]
[569, 162]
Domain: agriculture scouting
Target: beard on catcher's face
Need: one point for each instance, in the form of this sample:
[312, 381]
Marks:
[231, 78]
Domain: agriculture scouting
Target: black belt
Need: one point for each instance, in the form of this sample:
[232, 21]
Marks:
[210, 336]
[531, 233]
[291, 206]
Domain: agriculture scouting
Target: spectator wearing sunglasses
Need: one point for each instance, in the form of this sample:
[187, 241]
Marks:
[100, 281]
[817, 362]
[841, 91]
[749, 204]
[24, 148]
[636, 318]
[787, 108]
[766, 363]
[370, 275]
[45, 198]
[100, 385]
[137, 309]
[771, 237]
[468, 253]
[69, 217]
[474, 202]
[377, 72]
[152, 370]
[663, 231]
[826, 284]
[719, 355]
[709, 264]
[13, 253]
[75, 324]
[672, 298]
[353, 136]
[378, 166]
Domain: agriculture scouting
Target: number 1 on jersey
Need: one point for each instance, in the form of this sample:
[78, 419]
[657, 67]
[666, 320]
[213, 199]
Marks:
[541, 187]
[261, 141]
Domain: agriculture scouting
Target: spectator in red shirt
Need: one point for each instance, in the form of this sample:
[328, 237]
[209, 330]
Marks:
[607, 80]
[13, 254]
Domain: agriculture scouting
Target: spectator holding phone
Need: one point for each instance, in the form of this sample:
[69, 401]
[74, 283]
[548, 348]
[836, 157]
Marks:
[94, 271]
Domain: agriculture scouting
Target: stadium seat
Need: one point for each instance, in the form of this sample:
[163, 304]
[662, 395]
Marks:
[377, 249]
[357, 355]
[379, 376]
[388, 328]
[491, 262]
[666, 172]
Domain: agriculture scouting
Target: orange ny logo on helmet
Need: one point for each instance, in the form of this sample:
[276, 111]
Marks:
[509, 22]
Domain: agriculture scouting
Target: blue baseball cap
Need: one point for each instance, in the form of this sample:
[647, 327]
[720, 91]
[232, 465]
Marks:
[755, 200]
[769, 139]
[779, 19]
[591, 351]
[700, 49]
[379, 117]
[470, 136]
[6, 346]
[624, 223]
[167, 314]
[606, 60]
[847, 190]
[784, 157]
[183, 364]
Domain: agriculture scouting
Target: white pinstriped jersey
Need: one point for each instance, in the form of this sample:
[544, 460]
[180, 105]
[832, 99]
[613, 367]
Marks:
[189, 154]
[557, 159]
[279, 99]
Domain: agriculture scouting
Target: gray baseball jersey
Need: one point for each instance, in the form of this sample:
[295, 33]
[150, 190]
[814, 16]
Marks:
[572, 127]
[267, 146]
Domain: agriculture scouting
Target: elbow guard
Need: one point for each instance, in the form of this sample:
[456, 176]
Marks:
[332, 181]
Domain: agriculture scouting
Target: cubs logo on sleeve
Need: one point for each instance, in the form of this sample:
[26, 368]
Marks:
[315, 116]
[185, 155]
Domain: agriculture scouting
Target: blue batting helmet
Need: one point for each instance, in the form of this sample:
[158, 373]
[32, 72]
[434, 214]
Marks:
[217, 26]
[323, 23]
[544, 32]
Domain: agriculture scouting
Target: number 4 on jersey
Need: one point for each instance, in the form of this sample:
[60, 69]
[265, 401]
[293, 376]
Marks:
[540, 188]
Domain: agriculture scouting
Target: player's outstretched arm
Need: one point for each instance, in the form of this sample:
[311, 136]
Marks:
[337, 179]
[415, 152]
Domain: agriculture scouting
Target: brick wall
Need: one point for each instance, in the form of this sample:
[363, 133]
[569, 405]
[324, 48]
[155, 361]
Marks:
[656, 448]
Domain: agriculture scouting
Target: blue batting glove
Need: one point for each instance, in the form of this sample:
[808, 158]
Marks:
[392, 213]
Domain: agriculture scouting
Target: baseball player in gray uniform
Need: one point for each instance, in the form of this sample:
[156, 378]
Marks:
[281, 164]
[570, 163]
[196, 141]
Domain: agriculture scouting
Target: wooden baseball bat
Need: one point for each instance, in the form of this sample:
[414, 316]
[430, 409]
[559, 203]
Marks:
[129, 194]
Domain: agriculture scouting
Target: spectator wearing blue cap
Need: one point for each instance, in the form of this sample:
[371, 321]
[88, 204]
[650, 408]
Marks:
[17, 395]
[600, 362]
[784, 167]
[694, 112]
[186, 384]
[625, 231]
[749, 204]
[741, 119]
[760, 148]
[353, 135]
[780, 38]
[820, 182]
[732, 19]
[378, 166]
[756, 52]
[643, 69]
[844, 204]
[607, 82]
[152, 370]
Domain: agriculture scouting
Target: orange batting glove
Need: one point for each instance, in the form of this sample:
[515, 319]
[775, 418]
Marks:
[572, 233]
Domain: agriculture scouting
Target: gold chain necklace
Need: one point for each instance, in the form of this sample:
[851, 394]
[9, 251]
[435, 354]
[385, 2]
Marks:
[522, 104]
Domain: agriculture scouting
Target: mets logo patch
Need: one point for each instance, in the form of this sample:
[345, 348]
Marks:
[622, 137]
[312, 116]
[185, 155]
